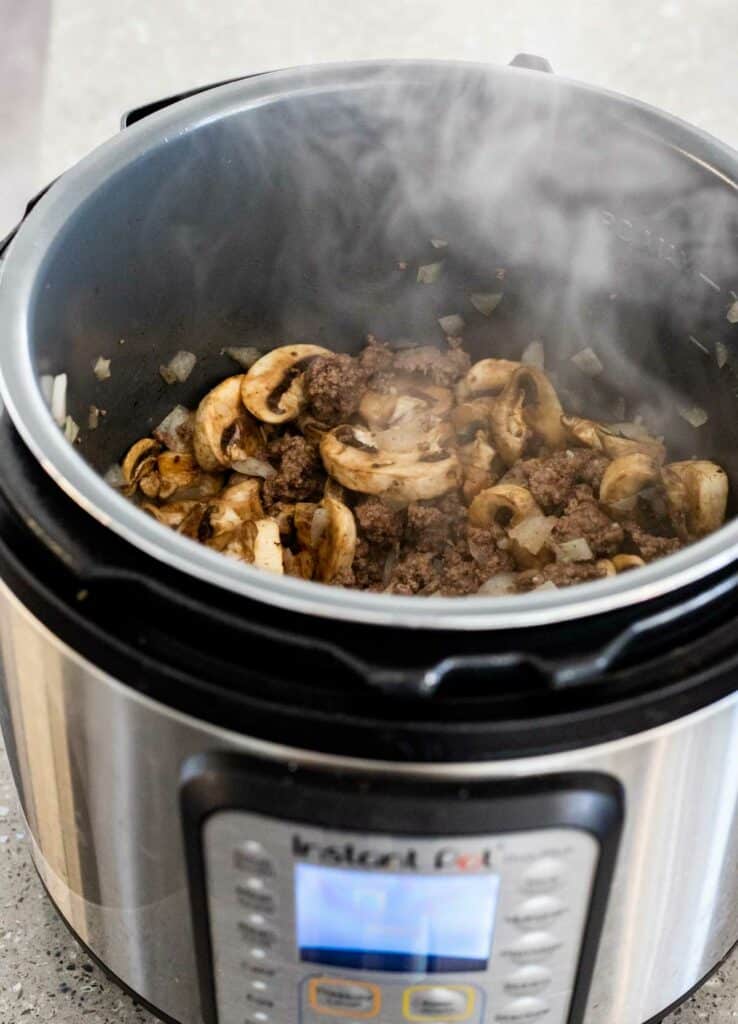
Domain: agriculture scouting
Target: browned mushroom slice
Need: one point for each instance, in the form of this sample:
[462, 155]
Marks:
[139, 463]
[478, 462]
[273, 389]
[182, 479]
[611, 440]
[512, 507]
[409, 400]
[173, 513]
[487, 377]
[224, 431]
[697, 493]
[259, 544]
[350, 455]
[334, 552]
[626, 477]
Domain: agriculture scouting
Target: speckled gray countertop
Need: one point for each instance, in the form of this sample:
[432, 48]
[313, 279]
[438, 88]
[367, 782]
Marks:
[68, 68]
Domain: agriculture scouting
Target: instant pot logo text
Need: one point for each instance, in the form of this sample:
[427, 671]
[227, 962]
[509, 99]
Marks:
[640, 236]
[350, 855]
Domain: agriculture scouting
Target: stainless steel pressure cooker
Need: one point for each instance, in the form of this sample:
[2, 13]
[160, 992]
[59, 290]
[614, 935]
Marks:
[260, 800]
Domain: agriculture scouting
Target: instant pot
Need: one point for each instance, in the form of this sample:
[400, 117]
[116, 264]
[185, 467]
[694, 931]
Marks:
[260, 800]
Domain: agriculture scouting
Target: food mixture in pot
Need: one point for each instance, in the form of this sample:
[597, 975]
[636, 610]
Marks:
[412, 471]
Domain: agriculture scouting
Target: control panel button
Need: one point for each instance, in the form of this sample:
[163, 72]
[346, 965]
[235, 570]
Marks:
[254, 895]
[258, 1017]
[543, 876]
[520, 1011]
[536, 912]
[533, 946]
[528, 980]
[251, 856]
[338, 997]
[259, 935]
[438, 1002]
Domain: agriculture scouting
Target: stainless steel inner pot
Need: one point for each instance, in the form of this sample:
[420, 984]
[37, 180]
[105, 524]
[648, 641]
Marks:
[276, 209]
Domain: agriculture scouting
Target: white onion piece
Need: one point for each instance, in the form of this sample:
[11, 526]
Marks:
[439, 243]
[176, 429]
[114, 476]
[318, 525]
[101, 369]
[59, 399]
[485, 302]
[532, 533]
[548, 585]
[244, 355]
[498, 585]
[254, 467]
[534, 355]
[695, 415]
[732, 315]
[93, 418]
[71, 430]
[389, 566]
[429, 273]
[574, 551]
[452, 325]
[721, 353]
[588, 362]
[179, 367]
[46, 383]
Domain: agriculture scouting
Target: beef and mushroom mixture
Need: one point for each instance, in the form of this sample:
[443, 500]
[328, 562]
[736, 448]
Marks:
[413, 471]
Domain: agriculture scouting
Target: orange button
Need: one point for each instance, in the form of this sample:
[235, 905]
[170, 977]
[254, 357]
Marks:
[438, 1002]
[340, 997]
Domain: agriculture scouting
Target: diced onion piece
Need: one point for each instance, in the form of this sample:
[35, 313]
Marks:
[93, 418]
[695, 415]
[452, 325]
[439, 243]
[618, 408]
[732, 316]
[389, 566]
[179, 367]
[533, 355]
[244, 355]
[46, 383]
[574, 551]
[318, 525]
[588, 362]
[254, 467]
[496, 586]
[632, 430]
[114, 476]
[486, 302]
[429, 273]
[533, 532]
[101, 369]
[59, 399]
[71, 430]
[176, 429]
[721, 353]
[548, 585]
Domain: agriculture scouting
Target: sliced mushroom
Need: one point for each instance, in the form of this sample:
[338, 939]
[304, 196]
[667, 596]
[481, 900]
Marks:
[259, 544]
[622, 563]
[697, 493]
[626, 477]
[335, 550]
[471, 417]
[542, 408]
[303, 520]
[224, 431]
[409, 399]
[478, 462]
[173, 513]
[301, 564]
[180, 478]
[245, 497]
[273, 390]
[350, 455]
[608, 439]
[607, 566]
[504, 505]
[508, 427]
[140, 462]
[585, 432]
[487, 377]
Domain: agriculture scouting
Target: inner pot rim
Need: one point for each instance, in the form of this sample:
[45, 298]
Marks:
[23, 267]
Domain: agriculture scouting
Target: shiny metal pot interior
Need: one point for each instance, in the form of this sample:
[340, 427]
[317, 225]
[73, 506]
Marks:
[276, 209]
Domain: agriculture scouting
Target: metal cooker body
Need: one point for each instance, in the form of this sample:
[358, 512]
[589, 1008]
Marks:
[99, 768]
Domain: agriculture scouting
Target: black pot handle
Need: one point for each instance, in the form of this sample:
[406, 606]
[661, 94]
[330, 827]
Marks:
[531, 62]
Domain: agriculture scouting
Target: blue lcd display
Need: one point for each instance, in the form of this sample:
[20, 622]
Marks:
[391, 922]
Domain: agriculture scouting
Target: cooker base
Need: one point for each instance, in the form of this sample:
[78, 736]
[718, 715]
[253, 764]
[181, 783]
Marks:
[660, 1018]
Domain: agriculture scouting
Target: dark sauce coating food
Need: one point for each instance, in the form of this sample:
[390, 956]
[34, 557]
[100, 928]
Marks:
[414, 472]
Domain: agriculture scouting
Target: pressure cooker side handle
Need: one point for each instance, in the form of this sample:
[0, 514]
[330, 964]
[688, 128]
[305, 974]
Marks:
[531, 62]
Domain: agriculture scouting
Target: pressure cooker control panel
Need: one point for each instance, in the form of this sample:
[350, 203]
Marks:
[317, 924]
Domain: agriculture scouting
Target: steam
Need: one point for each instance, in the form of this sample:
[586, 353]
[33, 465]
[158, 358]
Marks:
[290, 223]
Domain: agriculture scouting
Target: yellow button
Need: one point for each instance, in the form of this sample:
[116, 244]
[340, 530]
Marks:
[340, 997]
[438, 1002]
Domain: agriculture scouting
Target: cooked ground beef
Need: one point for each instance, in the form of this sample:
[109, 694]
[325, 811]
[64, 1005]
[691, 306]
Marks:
[334, 386]
[417, 571]
[649, 546]
[300, 475]
[375, 357]
[563, 574]
[552, 479]
[443, 368]
[379, 523]
[583, 517]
